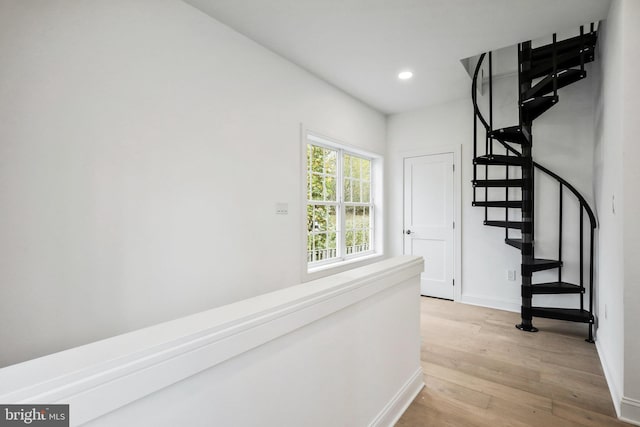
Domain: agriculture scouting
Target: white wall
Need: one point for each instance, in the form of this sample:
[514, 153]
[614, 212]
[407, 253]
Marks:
[609, 197]
[631, 135]
[563, 142]
[144, 146]
[616, 163]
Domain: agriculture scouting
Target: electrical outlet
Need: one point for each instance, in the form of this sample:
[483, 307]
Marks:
[511, 275]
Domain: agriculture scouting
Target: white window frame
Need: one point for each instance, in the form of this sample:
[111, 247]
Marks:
[344, 261]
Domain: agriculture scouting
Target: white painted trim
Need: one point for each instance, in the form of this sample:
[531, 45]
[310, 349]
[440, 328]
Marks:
[393, 410]
[456, 149]
[337, 143]
[630, 410]
[100, 377]
[498, 304]
[303, 200]
[457, 200]
[337, 267]
[614, 390]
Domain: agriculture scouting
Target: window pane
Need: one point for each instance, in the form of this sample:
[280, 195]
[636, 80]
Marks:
[366, 192]
[366, 220]
[319, 218]
[366, 169]
[322, 173]
[317, 192]
[355, 167]
[317, 159]
[309, 218]
[319, 241]
[319, 245]
[309, 156]
[322, 232]
[330, 160]
[359, 217]
[332, 242]
[347, 166]
[330, 189]
[361, 241]
[322, 187]
[350, 238]
[331, 218]
[349, 217]
[357, 229]
[355, 192]
[347, 190]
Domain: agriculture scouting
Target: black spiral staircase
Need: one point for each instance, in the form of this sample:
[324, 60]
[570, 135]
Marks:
[542, 71]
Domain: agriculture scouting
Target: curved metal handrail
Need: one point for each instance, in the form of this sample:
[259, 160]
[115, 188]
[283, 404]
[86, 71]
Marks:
[474, 93]
[476, 109]
[583, 202]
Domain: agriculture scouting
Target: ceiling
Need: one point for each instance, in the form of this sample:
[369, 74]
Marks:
[360, 46]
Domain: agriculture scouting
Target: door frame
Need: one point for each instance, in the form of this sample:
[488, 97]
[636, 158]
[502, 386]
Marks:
[456, 149]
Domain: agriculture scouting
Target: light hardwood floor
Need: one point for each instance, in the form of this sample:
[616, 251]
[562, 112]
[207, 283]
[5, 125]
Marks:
[479, 370]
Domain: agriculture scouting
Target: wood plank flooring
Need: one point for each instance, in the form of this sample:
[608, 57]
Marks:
[480, 370]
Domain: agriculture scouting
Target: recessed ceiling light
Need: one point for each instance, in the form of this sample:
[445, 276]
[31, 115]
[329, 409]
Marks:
[405, 75]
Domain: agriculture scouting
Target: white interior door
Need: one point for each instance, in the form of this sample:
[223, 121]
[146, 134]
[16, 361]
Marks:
[429, 220]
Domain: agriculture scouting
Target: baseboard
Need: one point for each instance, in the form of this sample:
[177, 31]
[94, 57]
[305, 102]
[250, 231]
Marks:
[630, 411]
[393, 410]
[491, 303]
[608, 375]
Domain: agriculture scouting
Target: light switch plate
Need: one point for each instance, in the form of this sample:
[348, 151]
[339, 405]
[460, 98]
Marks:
[282, 208]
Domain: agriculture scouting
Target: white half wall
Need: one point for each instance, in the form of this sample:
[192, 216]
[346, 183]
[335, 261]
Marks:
[339, 351]
[144, 148]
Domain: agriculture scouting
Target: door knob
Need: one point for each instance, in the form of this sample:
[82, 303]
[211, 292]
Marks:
[408, 231]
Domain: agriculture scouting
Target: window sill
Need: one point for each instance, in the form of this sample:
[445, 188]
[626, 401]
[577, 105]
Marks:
[338, 267]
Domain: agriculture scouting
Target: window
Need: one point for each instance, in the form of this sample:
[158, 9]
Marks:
[340, 202]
